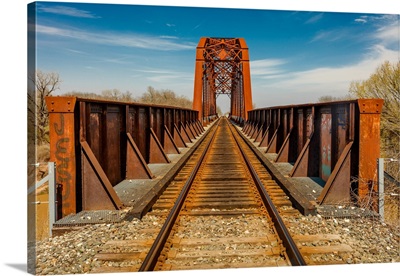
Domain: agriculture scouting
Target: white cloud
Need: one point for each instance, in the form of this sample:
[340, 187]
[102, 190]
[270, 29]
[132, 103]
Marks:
[155, 71]
[117, 39]
[315, 18]
[165, 76]
[330, 36]
[69, 11]
[169, 37]
[266, 68]
[309, 85]
[75, 51]
[360, 20]
[389, 34]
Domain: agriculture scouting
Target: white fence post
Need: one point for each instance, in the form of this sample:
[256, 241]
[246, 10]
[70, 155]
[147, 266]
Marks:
[381, 181]
[52, 196]
[51, 178]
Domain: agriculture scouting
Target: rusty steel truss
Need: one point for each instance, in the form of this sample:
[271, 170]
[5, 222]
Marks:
[97, 144]
[337, 142]
[222, 67]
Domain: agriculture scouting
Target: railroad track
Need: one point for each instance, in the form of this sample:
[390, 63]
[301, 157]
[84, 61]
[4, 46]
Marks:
[225, 192]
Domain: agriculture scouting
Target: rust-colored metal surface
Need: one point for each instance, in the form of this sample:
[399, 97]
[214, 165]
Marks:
[336, 142]
[96, 144]
[63, 138]
[368, 116]
[222, 67]
[136, 167]
[97, 193]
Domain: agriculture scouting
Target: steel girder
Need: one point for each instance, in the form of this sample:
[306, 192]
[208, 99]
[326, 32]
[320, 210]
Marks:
[222, 67]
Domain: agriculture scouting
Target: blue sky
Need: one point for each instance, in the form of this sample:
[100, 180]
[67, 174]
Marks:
[296, 56]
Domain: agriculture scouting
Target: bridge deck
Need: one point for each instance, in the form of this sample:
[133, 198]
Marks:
[138, 195]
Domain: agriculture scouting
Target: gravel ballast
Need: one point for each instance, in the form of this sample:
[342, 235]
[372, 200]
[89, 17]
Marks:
[74, 252]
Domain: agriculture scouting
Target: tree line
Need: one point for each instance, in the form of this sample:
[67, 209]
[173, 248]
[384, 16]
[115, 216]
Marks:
[383, 83]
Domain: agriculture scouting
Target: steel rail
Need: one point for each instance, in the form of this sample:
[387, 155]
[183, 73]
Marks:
[151, 259]
[293, 252]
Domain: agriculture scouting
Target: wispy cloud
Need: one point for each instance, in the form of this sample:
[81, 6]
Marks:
[314, 19]
[360, 20]
[375, 18]
[197, 26]
[388, 34]
[75, 51]
[170, 25]
[330, 80]
[386, 28]
[68, 11]
[314, 83]
[118, 39]
[330, 36]
[154, 71]
[169, 37]
[266, 68]
[166, 76]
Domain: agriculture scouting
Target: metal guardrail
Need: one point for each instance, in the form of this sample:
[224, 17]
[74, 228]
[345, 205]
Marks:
[97, 144]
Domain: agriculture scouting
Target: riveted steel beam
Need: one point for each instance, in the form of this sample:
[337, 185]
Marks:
[337, 142]
[96, 144]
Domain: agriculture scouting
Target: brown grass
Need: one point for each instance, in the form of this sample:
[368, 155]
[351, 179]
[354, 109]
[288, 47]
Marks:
[392, 205]
[42, 216]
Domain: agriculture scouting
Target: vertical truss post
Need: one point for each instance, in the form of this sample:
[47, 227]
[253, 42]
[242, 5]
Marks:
[198, 78]
[369, 141]
[381, 180]
[248, 101]
[62, 148]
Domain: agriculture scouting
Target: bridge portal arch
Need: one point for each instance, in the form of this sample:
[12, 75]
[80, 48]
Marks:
[222, 67]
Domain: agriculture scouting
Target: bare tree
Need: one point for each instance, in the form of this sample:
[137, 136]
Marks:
[164, 97]
[127, 97]
[329, 98]
[111, 94]
[86, 95]
[45, 84]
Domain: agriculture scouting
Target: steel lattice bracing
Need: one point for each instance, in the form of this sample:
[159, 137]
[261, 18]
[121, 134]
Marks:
[222, 67]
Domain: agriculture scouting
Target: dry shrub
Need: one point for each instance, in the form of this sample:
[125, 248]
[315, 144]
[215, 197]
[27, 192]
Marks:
[392, 204]
[43, 153]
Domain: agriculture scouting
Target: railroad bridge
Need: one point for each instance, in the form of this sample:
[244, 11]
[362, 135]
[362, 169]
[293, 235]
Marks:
[116, 156]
